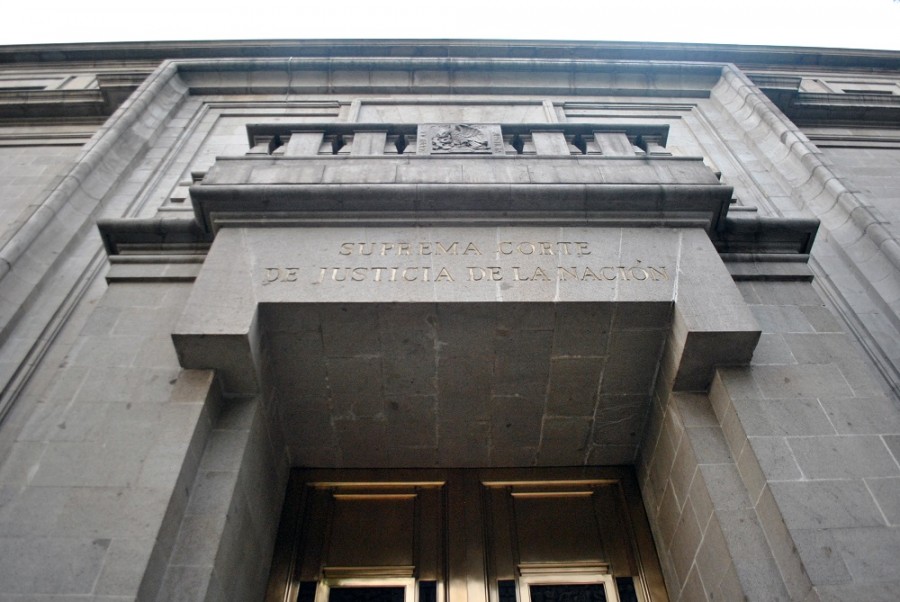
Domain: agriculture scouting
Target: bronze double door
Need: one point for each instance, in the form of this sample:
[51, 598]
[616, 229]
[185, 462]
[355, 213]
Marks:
[464, 535]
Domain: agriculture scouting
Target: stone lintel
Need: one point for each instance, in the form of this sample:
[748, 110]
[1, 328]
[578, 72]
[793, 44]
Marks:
[487, 265]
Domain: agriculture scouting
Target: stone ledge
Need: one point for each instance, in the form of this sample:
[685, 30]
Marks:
[147, 268]
[164, 235]
[769, 268]
[620, 202]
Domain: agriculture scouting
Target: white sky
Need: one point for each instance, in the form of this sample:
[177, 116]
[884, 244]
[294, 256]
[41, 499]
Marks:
[873, 24]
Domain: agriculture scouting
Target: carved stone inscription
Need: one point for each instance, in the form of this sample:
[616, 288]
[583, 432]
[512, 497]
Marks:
[464, 264]
[505, 261]
[459, 138]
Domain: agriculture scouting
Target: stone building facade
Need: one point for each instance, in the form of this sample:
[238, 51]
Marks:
[478, 322]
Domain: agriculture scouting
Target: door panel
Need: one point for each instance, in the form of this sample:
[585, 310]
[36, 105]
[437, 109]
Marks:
[498, 535]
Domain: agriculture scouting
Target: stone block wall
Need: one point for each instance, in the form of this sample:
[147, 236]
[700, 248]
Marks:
[873, 173]
[709, 539]
[855, 258]
[222, 549]
[27, 175]
[99, 472]
[816, 440]
[782, 482]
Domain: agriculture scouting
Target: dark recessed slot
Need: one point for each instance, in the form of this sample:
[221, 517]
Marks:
[337, 143]
[427, 591]
[579, 142]
[274, 143]
[401, 145]
[587, 592]
[881, 92]
[627, 593]
[365, 594]
[518, 144]
[307, 591]
[507, 588]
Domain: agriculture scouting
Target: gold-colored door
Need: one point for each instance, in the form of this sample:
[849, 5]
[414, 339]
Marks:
[498, 535]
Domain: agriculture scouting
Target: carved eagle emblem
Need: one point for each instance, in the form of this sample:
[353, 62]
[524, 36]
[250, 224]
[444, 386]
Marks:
[459, 138]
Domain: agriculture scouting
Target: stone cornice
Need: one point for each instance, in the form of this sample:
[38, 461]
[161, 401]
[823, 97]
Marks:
[745, 56]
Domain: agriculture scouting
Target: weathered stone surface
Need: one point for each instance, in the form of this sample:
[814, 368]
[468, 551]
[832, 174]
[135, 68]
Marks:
[124, 477]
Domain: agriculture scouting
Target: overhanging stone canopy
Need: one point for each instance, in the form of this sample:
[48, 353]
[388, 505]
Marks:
[418, 340]
[467, 384]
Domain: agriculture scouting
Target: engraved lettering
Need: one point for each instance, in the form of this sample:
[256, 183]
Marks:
[471, 249]
[491, 273]
[270, 275]
[565, 274]
[658, 274]
[451, 250]
[635, 273]
[588, 272]
[537, 274]
[443, 274]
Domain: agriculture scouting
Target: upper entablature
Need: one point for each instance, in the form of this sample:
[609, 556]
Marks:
[67, 91]
[749, 57]
[395, 76]
[834, 98]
